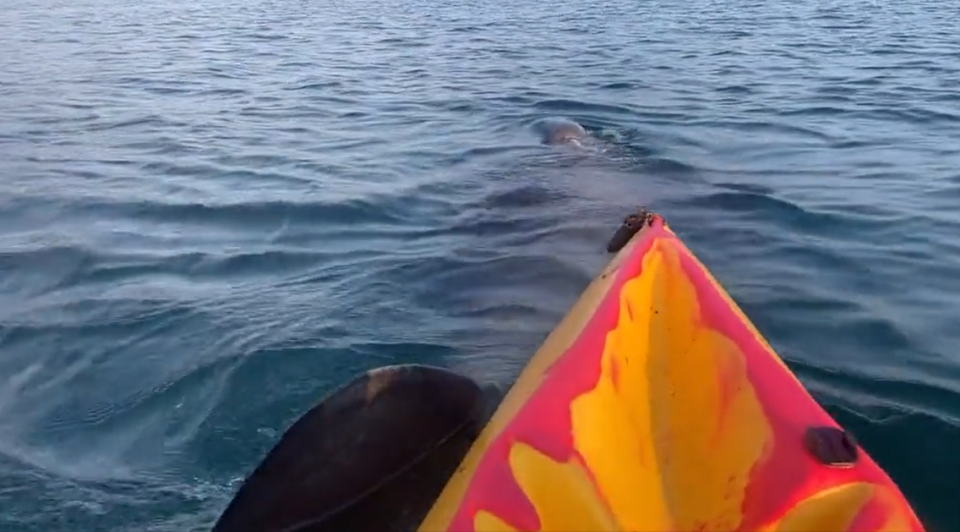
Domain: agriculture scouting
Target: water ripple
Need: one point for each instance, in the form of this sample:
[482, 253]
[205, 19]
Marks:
[211, 213]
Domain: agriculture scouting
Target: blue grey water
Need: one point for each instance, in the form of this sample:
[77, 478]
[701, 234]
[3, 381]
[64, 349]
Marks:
[212, 212]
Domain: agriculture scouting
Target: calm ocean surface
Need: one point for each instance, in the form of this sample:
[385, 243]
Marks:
[212, 212]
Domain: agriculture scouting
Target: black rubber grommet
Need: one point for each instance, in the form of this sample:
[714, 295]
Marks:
[831, 446]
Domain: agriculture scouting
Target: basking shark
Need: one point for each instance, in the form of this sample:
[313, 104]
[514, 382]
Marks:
[562, 131]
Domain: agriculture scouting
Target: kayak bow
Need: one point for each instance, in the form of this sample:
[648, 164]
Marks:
[657, 405]
[654, 405]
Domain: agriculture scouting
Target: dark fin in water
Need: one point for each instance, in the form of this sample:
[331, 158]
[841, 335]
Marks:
[372, 456]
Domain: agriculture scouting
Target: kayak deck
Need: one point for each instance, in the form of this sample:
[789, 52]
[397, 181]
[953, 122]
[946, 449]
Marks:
[657, 405]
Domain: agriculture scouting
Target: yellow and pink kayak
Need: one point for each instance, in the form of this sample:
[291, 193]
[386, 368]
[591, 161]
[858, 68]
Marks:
[654, 405]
